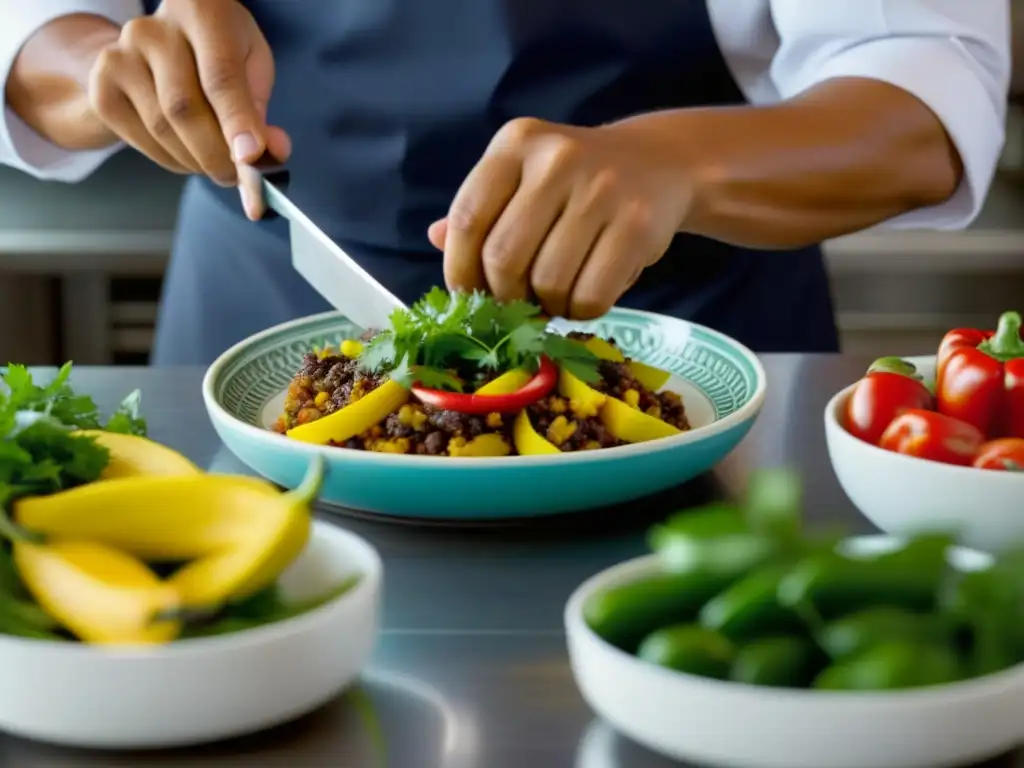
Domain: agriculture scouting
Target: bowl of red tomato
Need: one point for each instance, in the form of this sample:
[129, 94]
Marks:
[936, 443]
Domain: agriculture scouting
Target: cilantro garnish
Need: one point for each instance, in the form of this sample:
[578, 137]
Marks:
[446, 339]
[39, 450]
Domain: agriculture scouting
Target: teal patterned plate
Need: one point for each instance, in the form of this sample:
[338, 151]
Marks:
[721, 381]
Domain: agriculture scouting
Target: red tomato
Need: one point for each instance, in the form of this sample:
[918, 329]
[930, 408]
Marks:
[930, 435]
[879, 398]
[1006, 454]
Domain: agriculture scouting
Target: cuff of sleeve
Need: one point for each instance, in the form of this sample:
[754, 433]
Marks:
[942, 74]
[20, 146]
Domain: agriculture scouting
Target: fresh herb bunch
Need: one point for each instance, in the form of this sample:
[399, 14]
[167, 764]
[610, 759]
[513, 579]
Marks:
[446, 339]
[39, 450]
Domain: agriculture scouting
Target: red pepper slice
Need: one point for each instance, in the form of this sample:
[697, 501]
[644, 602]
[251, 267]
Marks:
[981, 377]
[537, 387]
[930, 435]
[1005, 454]
[890, 387]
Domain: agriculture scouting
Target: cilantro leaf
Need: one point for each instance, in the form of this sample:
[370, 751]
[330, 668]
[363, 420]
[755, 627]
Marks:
[573, 356]
[402, 373]
[434, 378]
[126, 418]
[447, 338]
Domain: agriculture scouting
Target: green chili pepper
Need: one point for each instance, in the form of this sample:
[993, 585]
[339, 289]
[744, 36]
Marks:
[782, 661]
[774, 502]
[714, 539]
[891, 666]
[750, 607]
[834, 585]
[852, 635]
[624, 615]
[987, 604]
[689, 648]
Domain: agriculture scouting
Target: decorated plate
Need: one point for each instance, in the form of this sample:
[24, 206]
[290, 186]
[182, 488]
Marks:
[721, 383]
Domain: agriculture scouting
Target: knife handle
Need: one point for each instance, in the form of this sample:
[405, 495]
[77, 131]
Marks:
[274, 173]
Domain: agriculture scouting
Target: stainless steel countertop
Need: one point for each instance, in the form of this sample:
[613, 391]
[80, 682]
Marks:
[471, 670]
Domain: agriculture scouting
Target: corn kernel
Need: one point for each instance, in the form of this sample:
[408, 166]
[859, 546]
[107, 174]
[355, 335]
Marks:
[412, 416]
[396, 445]
[306, 415]
[557, 405]
[655, 411]
[405, 415]
[490, 444]
[351, 348]
[585, 409]
[321, 399]
[631, 398]
[494, 420]
[591, 445]
[560, 430]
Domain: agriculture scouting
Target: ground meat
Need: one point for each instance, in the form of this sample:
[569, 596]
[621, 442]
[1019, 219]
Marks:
[618, 381]
[553, 420]
[328, 381]
[323, 385]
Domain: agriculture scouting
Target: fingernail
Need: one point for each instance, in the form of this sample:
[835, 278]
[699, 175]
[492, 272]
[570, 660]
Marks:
[244, 147]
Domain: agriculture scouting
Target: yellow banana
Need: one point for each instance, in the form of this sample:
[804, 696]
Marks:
[236, 534]
[98, 593]
[132, 456]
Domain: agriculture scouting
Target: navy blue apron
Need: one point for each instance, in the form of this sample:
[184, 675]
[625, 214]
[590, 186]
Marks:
[390, 103]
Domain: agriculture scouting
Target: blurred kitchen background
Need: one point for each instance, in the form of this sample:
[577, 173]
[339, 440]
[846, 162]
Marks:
[80, 266]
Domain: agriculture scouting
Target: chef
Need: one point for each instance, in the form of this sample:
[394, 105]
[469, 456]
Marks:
[680, 156]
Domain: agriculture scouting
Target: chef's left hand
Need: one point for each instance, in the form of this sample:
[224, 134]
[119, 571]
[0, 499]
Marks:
[566, 215]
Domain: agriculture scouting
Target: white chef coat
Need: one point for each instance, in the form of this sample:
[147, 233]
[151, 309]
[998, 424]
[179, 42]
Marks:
[954, 55]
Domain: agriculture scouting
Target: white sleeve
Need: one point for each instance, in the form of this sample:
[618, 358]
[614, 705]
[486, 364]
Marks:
[953, 55]
[20, 146]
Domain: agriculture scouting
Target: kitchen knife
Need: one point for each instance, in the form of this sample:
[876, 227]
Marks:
[321, 261]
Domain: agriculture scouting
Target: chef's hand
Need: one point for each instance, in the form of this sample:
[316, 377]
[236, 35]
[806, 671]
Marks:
[569, 216]
[189, 88]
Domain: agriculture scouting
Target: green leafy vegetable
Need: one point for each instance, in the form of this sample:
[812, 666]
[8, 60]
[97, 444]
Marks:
[19, 615]
[39, 450]
[446, 339]
[267, 606]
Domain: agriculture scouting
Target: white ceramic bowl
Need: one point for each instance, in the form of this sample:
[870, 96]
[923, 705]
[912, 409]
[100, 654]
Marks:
[205, 689]
[712, 722]
[903, 495]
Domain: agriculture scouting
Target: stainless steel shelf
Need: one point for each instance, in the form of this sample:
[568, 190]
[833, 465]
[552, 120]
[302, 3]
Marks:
[121, 220]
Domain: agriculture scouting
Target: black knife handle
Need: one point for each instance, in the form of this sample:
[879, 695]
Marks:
[274, 173]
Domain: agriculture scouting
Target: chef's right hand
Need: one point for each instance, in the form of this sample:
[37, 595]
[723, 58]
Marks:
[189, 88]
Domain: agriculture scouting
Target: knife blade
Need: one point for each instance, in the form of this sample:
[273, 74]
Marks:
[322, 262]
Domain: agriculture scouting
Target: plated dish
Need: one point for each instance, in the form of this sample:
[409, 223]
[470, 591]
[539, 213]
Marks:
[720, 384]
[743, 638]
[461, 375]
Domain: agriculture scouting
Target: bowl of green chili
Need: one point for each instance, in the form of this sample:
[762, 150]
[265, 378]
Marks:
[745, 640]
